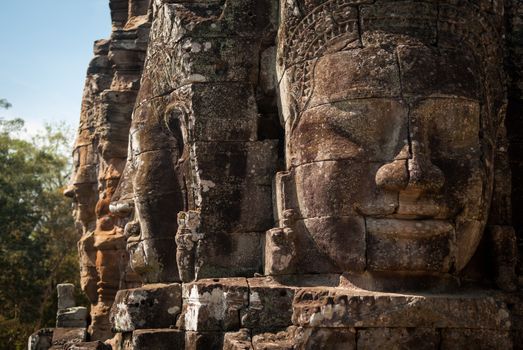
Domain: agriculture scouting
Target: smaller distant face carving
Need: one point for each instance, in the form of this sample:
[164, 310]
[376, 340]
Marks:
[157, 196]
[390, 171]
[83, 187]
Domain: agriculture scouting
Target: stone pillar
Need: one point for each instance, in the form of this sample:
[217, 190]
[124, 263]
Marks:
[71, 320]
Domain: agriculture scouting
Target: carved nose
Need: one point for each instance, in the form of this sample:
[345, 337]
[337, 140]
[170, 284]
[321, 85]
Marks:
[423, 175]
[414, 172]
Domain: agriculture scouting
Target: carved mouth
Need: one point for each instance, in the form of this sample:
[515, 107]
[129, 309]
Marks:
[133, 240]
[122, 208]
[410, 228]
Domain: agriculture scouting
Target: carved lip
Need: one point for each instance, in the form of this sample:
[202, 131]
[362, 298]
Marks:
[409, 207]
[417, 228]
[133, 240]
[123, 207]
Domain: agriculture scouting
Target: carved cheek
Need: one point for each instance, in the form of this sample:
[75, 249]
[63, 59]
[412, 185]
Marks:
[452, 132]
[466, 189]
[338, 188]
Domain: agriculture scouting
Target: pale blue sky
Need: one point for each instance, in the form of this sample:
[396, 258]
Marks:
[46, 46]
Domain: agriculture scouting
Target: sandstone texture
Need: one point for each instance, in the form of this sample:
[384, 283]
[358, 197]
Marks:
[302, 174]
[111, 87]
[153, 306]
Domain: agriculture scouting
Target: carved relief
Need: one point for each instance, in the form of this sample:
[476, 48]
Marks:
[193, 150]
[391, 210]
[391, 112]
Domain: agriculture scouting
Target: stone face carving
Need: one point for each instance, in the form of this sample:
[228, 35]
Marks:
[197, 179]
[391, 128]
[391, 210]
[99, 156]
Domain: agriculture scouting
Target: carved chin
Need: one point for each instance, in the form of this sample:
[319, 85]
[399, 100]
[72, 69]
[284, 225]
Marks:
[153, 259]
[143, 260]
[342, 239]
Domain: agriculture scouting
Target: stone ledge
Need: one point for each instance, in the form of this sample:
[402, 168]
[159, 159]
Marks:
[155, 339]
[331, 307]
[151, 306]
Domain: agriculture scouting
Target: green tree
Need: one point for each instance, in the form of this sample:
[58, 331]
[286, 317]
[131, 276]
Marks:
[37, 234]
[4, 103]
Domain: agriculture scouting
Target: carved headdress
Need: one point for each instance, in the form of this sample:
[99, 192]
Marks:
[312, 28]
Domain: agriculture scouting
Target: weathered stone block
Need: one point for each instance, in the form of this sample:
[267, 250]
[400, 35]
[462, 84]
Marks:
[240, 340]
[504, 246]
[100, 66]
[283, 340]
[227, 59]
[239, 161]
[443, 72]
[62, 336]
[223, 112]
[203, 340]
[151, 306]
[230, 254]
[347, 232]
[158, 187]
[325, 338]
[214, 305]
[236, 196]
[480, 339]
[158, 339]
[379, 22]
[236, 207]
[291, 251]
[40, 340]
[307, 339]
[298, 338]
[65, 296]
[72, 317]
[153, 260]
[398, 245]
[316, 139]
[207, 54]
[344, 308]
[97, 345]
[362, 80]
[398, 338]
[270, 305]
[101, 47]
[318, 183]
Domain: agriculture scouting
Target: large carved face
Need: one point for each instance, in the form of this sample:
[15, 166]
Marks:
[390, 147]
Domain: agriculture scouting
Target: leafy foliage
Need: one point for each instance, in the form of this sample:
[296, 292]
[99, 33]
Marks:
[37, 234]
[4, 103]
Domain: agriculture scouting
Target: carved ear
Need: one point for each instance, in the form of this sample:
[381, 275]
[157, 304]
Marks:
[284, 196]
[122, 199]
[175, 123]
